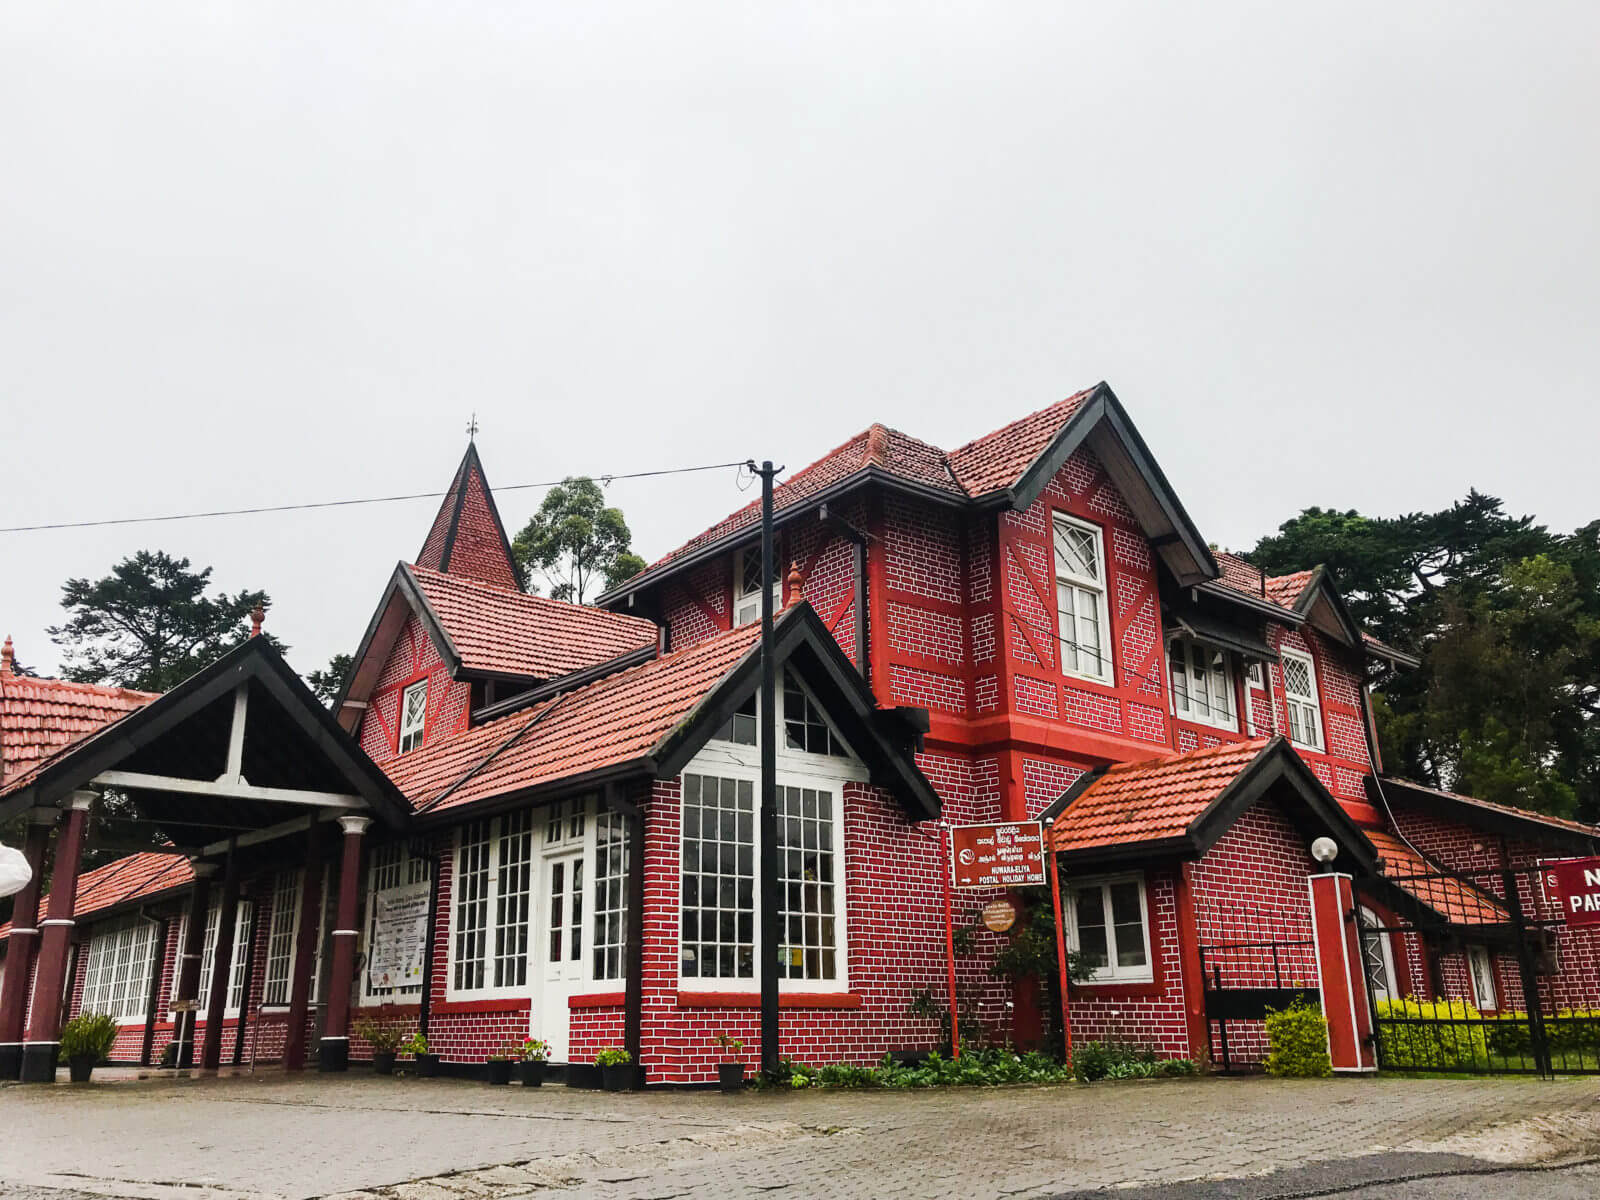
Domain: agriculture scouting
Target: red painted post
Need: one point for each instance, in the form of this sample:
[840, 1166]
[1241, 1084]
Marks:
[221, 968]
[335, 1053]
[950, 948]
[1341, 976]
[24, 946]
[42, 1044]
[1061, 951]
[305, 953]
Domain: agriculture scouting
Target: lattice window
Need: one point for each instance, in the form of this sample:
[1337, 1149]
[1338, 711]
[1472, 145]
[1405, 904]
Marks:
[413, 715]
[564, 822]
[1085, 624]
[282, 929]
[471, 939]
[747, 585]
[804, 727]
[118, 969]
[718, 878]
[610, 895]
[809, 920]
[513, 897]
[1300, 699]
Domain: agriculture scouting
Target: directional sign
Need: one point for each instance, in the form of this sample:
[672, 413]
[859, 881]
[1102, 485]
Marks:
[996, 856]
[1575, 884]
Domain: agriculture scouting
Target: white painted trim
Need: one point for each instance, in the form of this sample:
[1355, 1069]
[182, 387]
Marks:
[49, 921]
[1344, 962]
[18, 933]
[345, 933]
[1069, 913]
[80, 800]
[226, 791]
[234, 771]
[1102, 601]
[354, 826]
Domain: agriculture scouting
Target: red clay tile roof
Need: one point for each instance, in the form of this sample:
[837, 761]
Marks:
[1240, 576]
[1152, 800]
[466, 537]
[513, 633]
[41, 716]
[615, 720]
[1526, 814]
[130, 878]
[994, 461]
[1455, 900]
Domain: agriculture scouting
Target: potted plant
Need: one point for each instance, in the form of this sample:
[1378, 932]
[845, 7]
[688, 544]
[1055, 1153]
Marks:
[535, 1054]
[384, 1040]
[500, 1063]
[86, 1040]
[730, 1071]
[427, 1061]
[616, 1069]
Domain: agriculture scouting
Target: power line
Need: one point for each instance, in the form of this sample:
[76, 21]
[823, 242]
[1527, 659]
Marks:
[276, 508]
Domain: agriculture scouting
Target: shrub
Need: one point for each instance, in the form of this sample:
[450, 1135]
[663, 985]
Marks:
[89, 1033]
[415, 1044]
[1569, 1031]
[380, 1035]
[1297, 1040]
[612, 1056]
[1433, 1035]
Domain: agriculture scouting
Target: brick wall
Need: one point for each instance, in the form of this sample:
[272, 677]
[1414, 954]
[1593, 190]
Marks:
[413, 657]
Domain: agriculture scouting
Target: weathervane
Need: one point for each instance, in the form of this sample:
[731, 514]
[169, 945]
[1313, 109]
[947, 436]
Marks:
[472, 427]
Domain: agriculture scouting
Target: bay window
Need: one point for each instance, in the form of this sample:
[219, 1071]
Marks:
[1109, 925]
[1300, 699]
[1202, 683]
[1085, 625]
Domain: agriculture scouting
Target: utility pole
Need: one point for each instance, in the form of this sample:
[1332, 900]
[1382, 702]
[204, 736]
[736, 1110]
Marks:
[767, 823]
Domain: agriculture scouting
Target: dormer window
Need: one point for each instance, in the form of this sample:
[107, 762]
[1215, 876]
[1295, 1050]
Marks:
[747, 586]
[413, 715]
[1300, 698]
[1202, 684]
[1081, 599]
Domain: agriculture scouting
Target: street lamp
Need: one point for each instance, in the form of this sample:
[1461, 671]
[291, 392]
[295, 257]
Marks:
[14, 871]
[1325, 850]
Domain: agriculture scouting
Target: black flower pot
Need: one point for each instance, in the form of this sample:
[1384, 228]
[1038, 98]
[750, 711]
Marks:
[532, 1071]
[499, 1070]
[427, 1066]
[383, 1062]
[81, 1066]
[730, 1076]
[617, 1077]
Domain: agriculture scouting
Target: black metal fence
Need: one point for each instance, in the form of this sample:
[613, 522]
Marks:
[1246, 979]
[1474, 972]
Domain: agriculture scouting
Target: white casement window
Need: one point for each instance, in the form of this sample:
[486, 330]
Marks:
[801, 725]
[413, 715]
[283, 927]
[719, 868]
[1300, 698]
[747, 586]
[1202, 683]
[391, 870]
[1481, 967]
[610, 895]
[1109, 924]
[243, 922]
[1085, 626]
[117, 971]
[491, 913]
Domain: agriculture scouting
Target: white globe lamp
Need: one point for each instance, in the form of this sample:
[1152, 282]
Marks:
[14, 872]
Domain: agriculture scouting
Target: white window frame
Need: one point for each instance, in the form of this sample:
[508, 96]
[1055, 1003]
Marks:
[1478, 957]
[283, 931]
[1073, 587]
[243, 930]
[411, 732]
[391, 861]
[1111, 973]
[1375, 939]
[492, 897]
[752, 597]
[119, 960]
[796, 769]
[608, 898]
[1307, 708]
[1186, 650]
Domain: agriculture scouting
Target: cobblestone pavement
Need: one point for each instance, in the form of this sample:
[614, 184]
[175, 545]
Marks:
[363, 1138]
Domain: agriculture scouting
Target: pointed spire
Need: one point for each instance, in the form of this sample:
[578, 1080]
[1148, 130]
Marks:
[8, 657]
[467, 537]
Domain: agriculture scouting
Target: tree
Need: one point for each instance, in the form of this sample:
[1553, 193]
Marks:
[149, 624]
[328, 683]
[575, 541]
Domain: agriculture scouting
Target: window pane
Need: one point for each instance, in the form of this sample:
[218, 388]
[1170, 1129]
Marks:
[1091, 915]
[717, 896]
[1128, 916]
[806, 884]
[610, 892]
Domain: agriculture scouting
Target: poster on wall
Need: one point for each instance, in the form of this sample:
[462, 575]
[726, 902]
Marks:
[399, 937]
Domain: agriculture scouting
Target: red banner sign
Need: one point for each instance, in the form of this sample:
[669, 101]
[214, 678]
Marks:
[1575, 886]
[991, 856]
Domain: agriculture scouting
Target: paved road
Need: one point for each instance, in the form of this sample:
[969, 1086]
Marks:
[362, 1138]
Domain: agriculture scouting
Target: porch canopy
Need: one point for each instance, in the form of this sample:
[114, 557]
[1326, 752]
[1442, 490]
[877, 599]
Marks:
[238, 766]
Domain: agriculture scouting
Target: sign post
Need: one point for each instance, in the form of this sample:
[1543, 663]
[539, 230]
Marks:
[1575, 884]
[950, 957]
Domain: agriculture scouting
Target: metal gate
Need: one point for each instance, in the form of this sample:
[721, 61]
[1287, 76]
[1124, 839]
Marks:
[1247, 978]
[1465, 974]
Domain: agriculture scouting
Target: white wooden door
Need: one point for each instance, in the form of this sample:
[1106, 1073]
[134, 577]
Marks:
[562, 947]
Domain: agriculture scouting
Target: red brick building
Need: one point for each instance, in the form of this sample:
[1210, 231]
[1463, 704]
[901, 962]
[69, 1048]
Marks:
[1028, 626]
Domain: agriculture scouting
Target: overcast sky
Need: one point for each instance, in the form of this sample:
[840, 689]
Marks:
[249, 254]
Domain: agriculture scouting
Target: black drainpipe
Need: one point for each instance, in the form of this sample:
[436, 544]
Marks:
[859, 540]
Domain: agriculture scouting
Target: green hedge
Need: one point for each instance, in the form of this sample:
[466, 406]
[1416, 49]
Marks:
[1454, 1038]
[1297, 1040]
[1571, 1031]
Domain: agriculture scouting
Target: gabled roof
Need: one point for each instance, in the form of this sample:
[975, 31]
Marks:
[1182, 805]
[467, 537]
[1006, 468]
[1302, 597]
[136, 877]
[649, 721]
[1452, 900]
[291, 740]
[1484, 814]
[40, 716]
